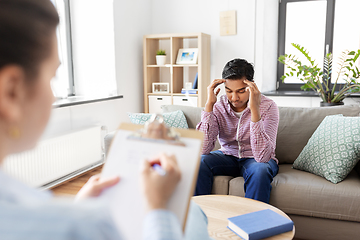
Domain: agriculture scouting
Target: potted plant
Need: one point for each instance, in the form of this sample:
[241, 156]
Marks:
[160, 57]
[319, 79]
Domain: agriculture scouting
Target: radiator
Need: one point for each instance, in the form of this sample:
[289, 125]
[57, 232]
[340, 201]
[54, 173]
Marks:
[57, 159]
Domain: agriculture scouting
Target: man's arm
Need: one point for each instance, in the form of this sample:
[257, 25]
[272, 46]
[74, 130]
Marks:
[210, 127]
[263, 134]
[209, 124]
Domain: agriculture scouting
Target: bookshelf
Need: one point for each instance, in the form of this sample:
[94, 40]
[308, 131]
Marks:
[175, 74]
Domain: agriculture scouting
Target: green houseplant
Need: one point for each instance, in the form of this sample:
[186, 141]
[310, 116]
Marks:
[319, 80]
[160, 57]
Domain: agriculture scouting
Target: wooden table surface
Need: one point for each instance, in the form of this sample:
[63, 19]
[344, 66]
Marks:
[218, 208]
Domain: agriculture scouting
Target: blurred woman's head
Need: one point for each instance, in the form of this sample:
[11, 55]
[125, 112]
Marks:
[28, 61]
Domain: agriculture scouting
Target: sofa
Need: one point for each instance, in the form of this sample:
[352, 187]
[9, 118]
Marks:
[319, 208]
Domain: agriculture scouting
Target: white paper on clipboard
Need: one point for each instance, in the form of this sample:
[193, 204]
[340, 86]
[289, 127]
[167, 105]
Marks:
[126, 199]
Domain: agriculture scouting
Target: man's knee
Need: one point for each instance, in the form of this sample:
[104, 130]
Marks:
[204, 163]
[259, 169]
[210, 158]
[204, 159]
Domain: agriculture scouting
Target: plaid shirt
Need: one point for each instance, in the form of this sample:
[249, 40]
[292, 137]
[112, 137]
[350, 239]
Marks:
[240, 137]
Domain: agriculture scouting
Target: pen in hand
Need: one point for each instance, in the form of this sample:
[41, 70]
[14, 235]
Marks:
[159, 169]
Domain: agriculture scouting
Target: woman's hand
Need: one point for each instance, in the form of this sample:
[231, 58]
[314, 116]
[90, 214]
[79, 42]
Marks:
[254, 100]
[212, 95]
[95, 186]
[159, 188]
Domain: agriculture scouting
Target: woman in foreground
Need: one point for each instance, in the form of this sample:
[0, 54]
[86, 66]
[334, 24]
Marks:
[28, 61]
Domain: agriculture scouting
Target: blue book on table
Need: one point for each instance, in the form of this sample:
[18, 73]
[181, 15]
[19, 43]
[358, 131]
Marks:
[260, 224]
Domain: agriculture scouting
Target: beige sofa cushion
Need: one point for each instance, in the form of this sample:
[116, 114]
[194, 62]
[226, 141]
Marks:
[311, 195]
[296, 126]
[302, 193]
[221, 185]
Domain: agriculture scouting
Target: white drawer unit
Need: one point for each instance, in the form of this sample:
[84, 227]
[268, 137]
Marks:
[155, 103]
[185, 101]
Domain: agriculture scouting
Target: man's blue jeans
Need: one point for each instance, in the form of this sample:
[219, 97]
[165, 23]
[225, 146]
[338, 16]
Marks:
[257, 176]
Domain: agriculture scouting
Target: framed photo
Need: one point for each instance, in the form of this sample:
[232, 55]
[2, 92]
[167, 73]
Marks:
[160, 87]
[187, 56]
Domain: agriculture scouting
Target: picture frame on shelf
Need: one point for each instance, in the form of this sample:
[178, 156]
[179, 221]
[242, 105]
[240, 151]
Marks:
[187, 56]
[160, 87]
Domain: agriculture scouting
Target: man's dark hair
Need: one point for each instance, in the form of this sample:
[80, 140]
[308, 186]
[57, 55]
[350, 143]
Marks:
[237, 69]
[26, 31]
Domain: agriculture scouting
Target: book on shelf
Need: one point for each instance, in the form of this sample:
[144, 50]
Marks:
[195, 85]
[259, 224]
[189, 91]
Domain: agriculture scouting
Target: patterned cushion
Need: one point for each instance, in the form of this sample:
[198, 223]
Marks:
[172, 119]
[333, 150]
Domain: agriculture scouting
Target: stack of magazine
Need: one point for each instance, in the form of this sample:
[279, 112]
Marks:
[194, 89]
[189, 91]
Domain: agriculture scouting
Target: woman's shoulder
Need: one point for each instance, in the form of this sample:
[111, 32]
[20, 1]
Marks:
[14, 191]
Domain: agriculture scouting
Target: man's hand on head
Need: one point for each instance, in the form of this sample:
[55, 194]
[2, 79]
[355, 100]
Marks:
[212, 95]
[254, 100]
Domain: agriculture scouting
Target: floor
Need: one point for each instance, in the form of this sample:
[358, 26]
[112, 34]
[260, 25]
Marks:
[72, 187]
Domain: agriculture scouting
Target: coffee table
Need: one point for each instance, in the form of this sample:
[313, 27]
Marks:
[218, 208]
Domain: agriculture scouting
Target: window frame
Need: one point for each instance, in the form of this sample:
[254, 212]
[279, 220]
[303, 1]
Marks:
[328, 46]
[66, 18]
[69, 48]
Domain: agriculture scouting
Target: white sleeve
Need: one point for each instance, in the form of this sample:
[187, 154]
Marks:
[56, 221]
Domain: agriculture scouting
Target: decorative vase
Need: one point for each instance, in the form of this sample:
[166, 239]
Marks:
[326, 104]
[160, 59]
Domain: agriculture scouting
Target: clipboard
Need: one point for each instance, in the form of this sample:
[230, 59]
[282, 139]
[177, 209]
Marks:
[126, 201]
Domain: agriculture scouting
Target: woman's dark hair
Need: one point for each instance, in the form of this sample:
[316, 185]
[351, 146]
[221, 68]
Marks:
[26, 33]
[237, 69]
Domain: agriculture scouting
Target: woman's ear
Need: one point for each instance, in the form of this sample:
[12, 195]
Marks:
[12, 92]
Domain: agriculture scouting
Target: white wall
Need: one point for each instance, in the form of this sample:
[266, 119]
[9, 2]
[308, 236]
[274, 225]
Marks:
[132, 22]
[203, 16]
[256, 30]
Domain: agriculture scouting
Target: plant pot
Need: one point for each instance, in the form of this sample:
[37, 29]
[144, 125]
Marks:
[160, 59]
[325, 104]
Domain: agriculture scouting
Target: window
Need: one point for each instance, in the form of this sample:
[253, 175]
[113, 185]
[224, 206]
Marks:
[63, 83]
[86, 50]
[346, 31]
[309, 23]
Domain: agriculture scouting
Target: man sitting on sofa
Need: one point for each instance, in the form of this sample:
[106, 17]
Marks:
[246, 124]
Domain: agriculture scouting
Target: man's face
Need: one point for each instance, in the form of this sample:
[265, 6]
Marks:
[237, 94]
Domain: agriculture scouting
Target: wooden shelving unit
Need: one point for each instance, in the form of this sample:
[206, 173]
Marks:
[173, 73]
